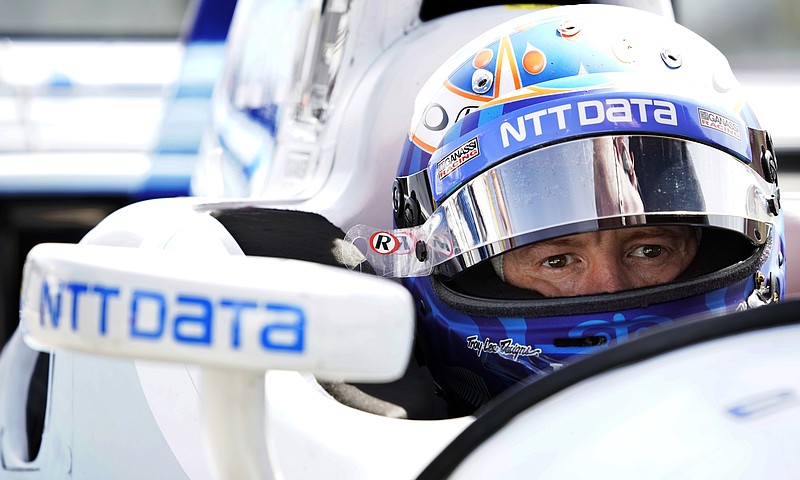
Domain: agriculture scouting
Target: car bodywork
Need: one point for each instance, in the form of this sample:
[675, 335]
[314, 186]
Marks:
[105, 415]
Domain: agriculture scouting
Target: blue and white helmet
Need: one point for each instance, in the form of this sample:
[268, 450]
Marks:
[571, 120]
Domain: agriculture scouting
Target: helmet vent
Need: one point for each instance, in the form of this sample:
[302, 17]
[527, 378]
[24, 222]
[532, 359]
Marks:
[593, 341]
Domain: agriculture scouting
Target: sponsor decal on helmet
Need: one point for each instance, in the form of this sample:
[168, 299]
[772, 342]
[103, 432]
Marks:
[504, 348]
[383, 243]
[719, 123]
[568, 116]
[386, 243]
[457, 157]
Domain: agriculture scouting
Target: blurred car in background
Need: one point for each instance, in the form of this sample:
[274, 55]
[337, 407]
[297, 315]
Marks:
[762, 42]
[102, 103]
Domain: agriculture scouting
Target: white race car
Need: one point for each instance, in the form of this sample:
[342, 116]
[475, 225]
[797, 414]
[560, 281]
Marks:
[707, 399]
[205, 338]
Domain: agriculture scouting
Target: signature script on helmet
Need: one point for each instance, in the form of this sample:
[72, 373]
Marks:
[507, 347]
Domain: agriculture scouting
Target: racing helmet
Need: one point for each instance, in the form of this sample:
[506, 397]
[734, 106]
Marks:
[566, 121]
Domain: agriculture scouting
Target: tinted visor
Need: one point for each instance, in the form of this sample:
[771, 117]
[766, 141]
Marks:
[575, 187]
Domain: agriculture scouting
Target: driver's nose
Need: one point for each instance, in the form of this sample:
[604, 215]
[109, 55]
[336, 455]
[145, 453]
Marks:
[605, 275]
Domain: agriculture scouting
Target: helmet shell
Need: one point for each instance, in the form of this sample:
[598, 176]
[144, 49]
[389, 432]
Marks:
[551, 77]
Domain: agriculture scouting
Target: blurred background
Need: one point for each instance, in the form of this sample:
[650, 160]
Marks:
[107, 102]
[102, 103]
[762, 43]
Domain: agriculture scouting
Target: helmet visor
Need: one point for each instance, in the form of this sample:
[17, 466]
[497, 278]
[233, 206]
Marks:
[576, 187]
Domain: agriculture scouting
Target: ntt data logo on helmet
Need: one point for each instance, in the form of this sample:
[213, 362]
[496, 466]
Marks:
[600, 114]
[457, 157]
[719, 123]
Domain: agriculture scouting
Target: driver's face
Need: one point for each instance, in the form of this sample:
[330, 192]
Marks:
[602, 262]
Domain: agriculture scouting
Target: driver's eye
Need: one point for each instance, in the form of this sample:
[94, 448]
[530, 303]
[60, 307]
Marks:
[557, 261]
[650, 251]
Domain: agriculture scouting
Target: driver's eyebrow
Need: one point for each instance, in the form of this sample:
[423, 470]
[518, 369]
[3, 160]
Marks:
[648, 232]
[570, 241]
[634, 234]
